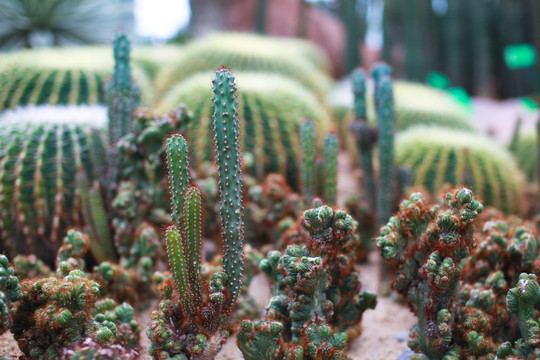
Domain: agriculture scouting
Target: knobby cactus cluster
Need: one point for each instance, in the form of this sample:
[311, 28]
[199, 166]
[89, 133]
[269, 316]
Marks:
[190, 322]
[316, 297]
[64, 315]
[457, 281]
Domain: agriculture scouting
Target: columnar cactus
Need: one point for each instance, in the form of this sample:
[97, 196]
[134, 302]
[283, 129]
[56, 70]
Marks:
[308, 178]
[314, 301]
[330, 169]
[122, 100]
[190, 321]
[364, 135]
[270, 116]
[426, 244]
[384, 104]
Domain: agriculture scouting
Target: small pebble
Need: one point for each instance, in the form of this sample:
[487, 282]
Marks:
[406, 355]
[402, 335]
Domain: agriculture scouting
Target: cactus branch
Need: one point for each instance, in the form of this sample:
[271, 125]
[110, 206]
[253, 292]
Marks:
[226, 142]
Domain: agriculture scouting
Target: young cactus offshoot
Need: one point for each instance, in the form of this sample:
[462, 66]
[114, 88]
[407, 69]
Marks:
[193, 325]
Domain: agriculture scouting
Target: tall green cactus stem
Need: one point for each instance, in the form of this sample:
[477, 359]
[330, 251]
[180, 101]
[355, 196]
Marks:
[307, 143]
[177, 262]
[227, 149]
[122, 100]
[178, 167]
[330, 168]
[192, 216]
[121, 91]
[365, 136]
[384, 104]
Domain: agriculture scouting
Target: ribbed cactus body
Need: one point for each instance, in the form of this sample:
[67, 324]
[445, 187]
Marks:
[439, 156]
[524, 152]
[227, 149]
[38, 185]
[61, 77]
[243, 52]
[271, 110]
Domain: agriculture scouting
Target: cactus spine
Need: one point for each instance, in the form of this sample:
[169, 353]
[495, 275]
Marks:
[384, 104]
[307, 142]
[227, 149]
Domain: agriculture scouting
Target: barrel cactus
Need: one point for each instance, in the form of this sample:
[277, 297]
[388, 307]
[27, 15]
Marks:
[437, 156]
[271, 111]
[417, 104]
[61, 77]
[523, 151]
[242, 52]
[38, 189]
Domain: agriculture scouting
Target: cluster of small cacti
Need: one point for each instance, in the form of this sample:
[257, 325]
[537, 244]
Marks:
[438, 156]
[316, 300]
[470, 290]
[62, 76]
[191, 322]
[243, 52]
[64, 316]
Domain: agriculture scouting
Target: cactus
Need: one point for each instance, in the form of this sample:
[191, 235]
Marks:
[330, 169]
[364, 135]
[244, 52]
[484, 325]
[60, 314]
[271, 116]
[61, 77]
[522, 146]
[521, 300]
[38, 169]
[314, 302]
[10, 291]
[122, 92]
[384, 104]
[426, 244]
[307, 143]
[438, 156]
[190, 322]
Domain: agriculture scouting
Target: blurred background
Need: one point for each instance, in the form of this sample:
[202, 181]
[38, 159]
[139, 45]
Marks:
[486, 47]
